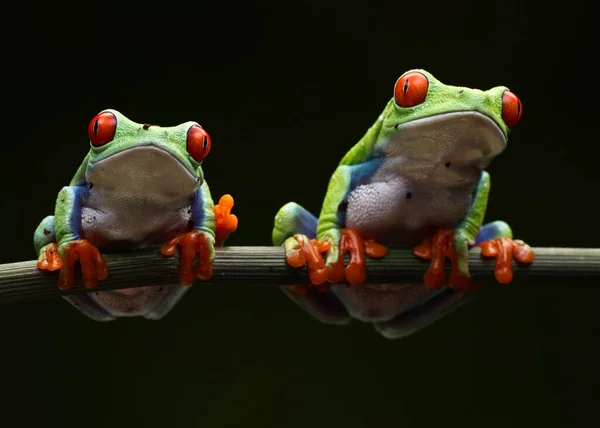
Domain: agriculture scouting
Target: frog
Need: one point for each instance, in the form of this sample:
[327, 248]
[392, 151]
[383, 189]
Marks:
[139, 186]
[416, 180]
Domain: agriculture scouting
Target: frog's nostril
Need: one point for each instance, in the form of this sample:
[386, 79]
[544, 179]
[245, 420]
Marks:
[447, 164]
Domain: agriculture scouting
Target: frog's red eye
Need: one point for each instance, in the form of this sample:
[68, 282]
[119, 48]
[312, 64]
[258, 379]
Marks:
[198, 143]
[102, 128]
[512, 109]
[411, 89]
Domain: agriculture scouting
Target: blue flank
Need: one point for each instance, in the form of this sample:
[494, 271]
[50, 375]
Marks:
[197, 212]
[306, 223]
[487, 232]
[79, 192]
[362, 172]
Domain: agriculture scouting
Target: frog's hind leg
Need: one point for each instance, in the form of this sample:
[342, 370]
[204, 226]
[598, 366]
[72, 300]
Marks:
[88, 307]
[45, 245]
[442, 304]
[293, 219]
[420, 317]
[493, 230]
[173, 294]
[44, 234]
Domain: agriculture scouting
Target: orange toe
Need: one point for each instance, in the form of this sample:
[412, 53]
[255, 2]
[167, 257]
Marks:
[504, 250]
[225, 222]
[93, 267]
[437, 249]
[51, 260]
[191, 244]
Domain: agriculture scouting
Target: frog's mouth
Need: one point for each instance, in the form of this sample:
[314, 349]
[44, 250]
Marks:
[147, 171]
[451, 148]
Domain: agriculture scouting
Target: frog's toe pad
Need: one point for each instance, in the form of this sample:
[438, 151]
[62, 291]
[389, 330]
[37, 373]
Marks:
[192, 244]
[374, 249]
[355, 272]
[351, 243]
[504, 250]
[226, 223]
[437, 248]
[49, 258]
[301, 250]
[93, 267]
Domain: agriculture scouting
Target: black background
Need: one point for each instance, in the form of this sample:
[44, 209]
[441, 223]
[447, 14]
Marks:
[285, 90]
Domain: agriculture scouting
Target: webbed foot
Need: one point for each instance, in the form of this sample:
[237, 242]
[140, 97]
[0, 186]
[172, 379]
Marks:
[494, 239]
[49, 259]
[301, 250]
[225, 222]
[438, 248]
[192, 244]
[93, 267]
[353, 244]
[504, 250]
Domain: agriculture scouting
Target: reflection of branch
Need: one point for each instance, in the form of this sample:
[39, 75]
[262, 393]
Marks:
[266, 266]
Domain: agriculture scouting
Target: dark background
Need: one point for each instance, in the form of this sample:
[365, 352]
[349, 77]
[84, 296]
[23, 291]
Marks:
[285, 90]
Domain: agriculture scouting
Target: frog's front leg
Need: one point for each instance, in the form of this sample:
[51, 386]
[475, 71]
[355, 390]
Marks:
[207, 221]
[450, 299]
[225, 224]
[59, 246]
[454, 243]
[331, 238]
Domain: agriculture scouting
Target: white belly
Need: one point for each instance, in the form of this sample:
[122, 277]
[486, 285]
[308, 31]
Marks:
[402, 211]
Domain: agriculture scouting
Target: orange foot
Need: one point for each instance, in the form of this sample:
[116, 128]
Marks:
[191, 244]
[309, 253]
[504, 249]
[50, 259]
[93, 267]
[438, 248]
[226, 223]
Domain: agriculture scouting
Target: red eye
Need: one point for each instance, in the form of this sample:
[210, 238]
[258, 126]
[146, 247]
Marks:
[411, 89]
[198, 143]
[512, 109]
[101, 129]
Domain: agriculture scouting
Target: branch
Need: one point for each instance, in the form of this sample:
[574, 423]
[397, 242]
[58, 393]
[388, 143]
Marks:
[23, 281]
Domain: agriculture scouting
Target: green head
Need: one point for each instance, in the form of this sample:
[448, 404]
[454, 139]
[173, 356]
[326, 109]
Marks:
[428, 122]
[110, 133]
[126, 153]
[417, 95]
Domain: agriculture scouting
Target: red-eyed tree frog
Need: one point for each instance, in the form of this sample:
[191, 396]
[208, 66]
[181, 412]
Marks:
[140, 185]
[416, 178]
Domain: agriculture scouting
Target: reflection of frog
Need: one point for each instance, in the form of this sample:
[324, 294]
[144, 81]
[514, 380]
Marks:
[417, 174]
[139, 186]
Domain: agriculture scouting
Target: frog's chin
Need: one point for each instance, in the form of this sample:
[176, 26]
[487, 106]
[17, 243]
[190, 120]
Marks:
[462, 139]
[143, 172]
